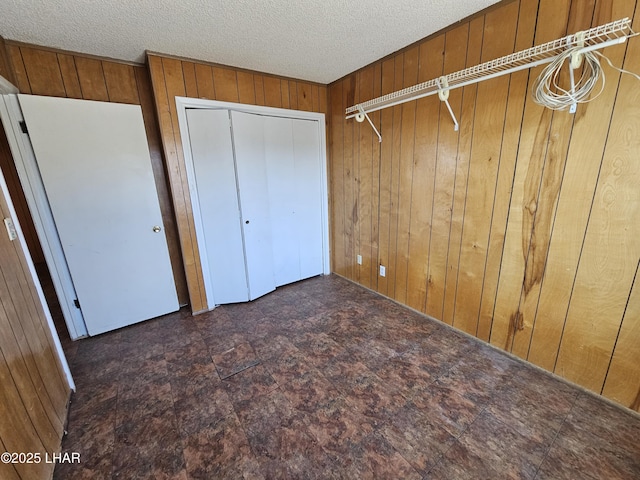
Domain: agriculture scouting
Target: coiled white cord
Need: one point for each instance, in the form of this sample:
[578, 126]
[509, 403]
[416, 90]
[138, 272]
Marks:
[547, 92]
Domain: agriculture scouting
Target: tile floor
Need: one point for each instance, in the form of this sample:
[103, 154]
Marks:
[323, 379]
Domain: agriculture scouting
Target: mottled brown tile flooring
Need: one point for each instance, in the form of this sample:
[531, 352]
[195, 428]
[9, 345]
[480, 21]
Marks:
[323, 379]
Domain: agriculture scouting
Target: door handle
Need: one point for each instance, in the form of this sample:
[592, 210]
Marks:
[156, 228]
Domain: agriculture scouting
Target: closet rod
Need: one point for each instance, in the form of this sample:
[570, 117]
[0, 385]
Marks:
[595, 38]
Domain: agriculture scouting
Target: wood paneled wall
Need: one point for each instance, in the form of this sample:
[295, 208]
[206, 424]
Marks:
[34, 392]
[173, 77]
[42, 71]
[523, 228]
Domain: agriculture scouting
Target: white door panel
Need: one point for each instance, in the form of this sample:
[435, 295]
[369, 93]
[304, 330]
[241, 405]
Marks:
[248, 139]
[283, 198]
[212, 154]
[308, 184]
[95, 166]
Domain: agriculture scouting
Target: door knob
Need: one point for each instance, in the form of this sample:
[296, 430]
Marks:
[156, 228]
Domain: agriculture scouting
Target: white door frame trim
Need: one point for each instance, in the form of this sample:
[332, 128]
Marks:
[182, 103]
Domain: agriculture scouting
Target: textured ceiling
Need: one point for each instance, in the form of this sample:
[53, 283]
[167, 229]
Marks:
[319, 40]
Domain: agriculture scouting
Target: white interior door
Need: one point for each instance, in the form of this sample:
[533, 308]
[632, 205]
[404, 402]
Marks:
[95, 166]
[248, 140]
[215, 177]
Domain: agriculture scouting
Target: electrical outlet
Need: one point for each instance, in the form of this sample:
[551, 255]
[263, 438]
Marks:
[383, 271]
[359, 259]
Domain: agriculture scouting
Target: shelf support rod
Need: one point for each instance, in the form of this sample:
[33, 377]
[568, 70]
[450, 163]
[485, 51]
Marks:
[443, 95]
[360, 118]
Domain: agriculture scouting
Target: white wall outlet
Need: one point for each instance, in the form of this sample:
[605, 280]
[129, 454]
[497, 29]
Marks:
[383, 271]
[11, 229]
[359, 259]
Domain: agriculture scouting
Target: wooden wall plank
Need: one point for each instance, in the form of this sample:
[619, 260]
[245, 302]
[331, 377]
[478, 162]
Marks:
[386, 160]
[226, 83]
[446, 146]
[190, 79]
[92, 80]
[431, 57]
[491, 102]
[574, 204]
[69, 74]
[204, 81]
[305, 96]
[518, 90]
[272, 92]
[258, 83]
[552, 18]
[467, 121]
[5, 63]
[43, 72]
[396, 139]
[611, 248]
[407, 142]
[337, 179]
[375, 181]
[121, 83]
[560, 136]
[284, 92]
[364, 182]
[322, 93]
[293, 95]
[350, 202]
[622, 383]
[246, 88]
[19, 70]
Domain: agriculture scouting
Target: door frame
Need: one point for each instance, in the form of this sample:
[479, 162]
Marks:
[25, 161]
[182, 104]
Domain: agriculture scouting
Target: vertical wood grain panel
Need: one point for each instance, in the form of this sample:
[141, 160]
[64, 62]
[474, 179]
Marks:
[611, 249]
[284, 92]
[578, 187]
[350, 202]
[190, 80]
[5, 63]
[386, 160]
[407, 143]
[375, 181]
[293, 95]
[121, 83]
[258, 84]
[43, 72]
[204, 81]
[467, 121]
[272, 92]
[337, 179]
[246, 88]
[423, 175]
[518, 89]
[92, 80]
[69, 76]
[560, 136]
[446, 144]
[305, 98]
[19, 70]
[226, 84]
[365, 156]
[491, 102]
[623, 382]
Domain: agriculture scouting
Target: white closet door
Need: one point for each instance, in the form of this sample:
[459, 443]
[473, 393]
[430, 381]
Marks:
[248, 139]
[96, 170]
[215, 174]
[283, 198]
[308, 185]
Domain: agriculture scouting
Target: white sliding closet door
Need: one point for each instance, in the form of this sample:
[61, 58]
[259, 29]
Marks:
[292, 152]
[248, 140]
[215, 174]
